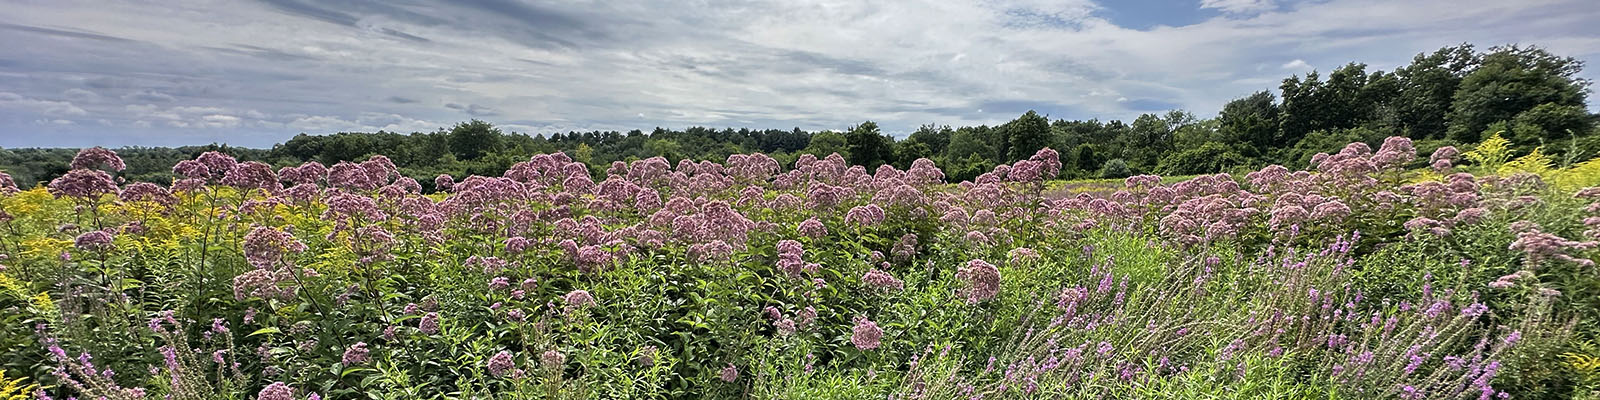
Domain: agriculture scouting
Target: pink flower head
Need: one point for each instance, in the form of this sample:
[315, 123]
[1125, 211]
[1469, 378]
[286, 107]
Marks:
[429, 323]
[982, 280]
[880, 280]
[812, 228]
[83, 183]
[356, 354]
[276, 391]
[98, 157]
[865, 335]
[578, 299]
[552, 359]
[501, 363]
[94, 240]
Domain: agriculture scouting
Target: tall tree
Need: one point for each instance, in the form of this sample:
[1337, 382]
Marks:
[937, 138]
[1349, 98]
[1428, 86]
[1028, 134]
[966, 142]
[868, 147]
[1509, 81]
[471, 140]
[1251, 119]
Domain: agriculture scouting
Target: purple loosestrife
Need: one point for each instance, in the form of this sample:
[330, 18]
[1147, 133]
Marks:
[1539, 246]
[1022, 255]
[217, 164]
[144, 191]
[905, 248]
[253, 175]
[1026, 171]
[499, 283]
[310, 172]
[191, 169]
[265, 283]
[444, 183]
[924, 172]
[865, 216]
[265, 247]
[647, 356]
[578, 299]
[805, 317]
[785, 326]
[1395, 152]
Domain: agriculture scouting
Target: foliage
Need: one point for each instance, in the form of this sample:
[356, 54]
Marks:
[723, 263]
[1115, 168]
[1491, 154]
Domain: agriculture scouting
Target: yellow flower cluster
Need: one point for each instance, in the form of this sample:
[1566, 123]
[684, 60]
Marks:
[14, 389]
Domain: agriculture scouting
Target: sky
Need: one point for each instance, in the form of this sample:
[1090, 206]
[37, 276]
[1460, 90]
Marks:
[257, 72]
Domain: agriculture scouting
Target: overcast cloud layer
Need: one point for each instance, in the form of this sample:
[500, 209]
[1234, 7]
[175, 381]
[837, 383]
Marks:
[176, 72]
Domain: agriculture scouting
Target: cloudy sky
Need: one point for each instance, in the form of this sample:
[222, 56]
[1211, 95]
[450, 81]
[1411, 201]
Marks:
[253, 73]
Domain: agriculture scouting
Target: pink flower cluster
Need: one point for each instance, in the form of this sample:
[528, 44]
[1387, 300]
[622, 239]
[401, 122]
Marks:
[982, 281]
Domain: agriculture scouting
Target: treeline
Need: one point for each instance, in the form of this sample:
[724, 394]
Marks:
[1453, 96]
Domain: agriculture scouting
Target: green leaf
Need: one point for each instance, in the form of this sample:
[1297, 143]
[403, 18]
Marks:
[262, 331]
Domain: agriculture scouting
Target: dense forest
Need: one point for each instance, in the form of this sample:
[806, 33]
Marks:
[1453, 96]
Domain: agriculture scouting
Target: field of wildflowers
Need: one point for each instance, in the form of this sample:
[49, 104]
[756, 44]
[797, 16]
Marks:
[1373, 274]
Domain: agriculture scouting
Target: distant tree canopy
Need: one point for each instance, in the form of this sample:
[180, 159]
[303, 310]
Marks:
[1453, 96]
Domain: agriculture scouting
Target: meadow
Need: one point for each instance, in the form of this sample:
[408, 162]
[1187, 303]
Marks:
[1370, 274]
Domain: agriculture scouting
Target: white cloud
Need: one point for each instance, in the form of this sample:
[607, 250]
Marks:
[219, 121]
[816, 64]
[80, 95]
[367, 122]
[1238, 6]
[48, 108]
[149, 96]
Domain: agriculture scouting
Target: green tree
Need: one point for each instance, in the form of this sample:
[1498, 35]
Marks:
[1207, 158]
[471, 140]
[583, 153]
[1548, 122]
[1251, 120]
[907, 151]
[825, 143]
[667, 148]
[1509, 81]
[1349, 98]
[1427, 88]
[1027, 134]
[1116, 168]
[967, 142]
[1086, 158]
[867, 146]
[936, 138]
